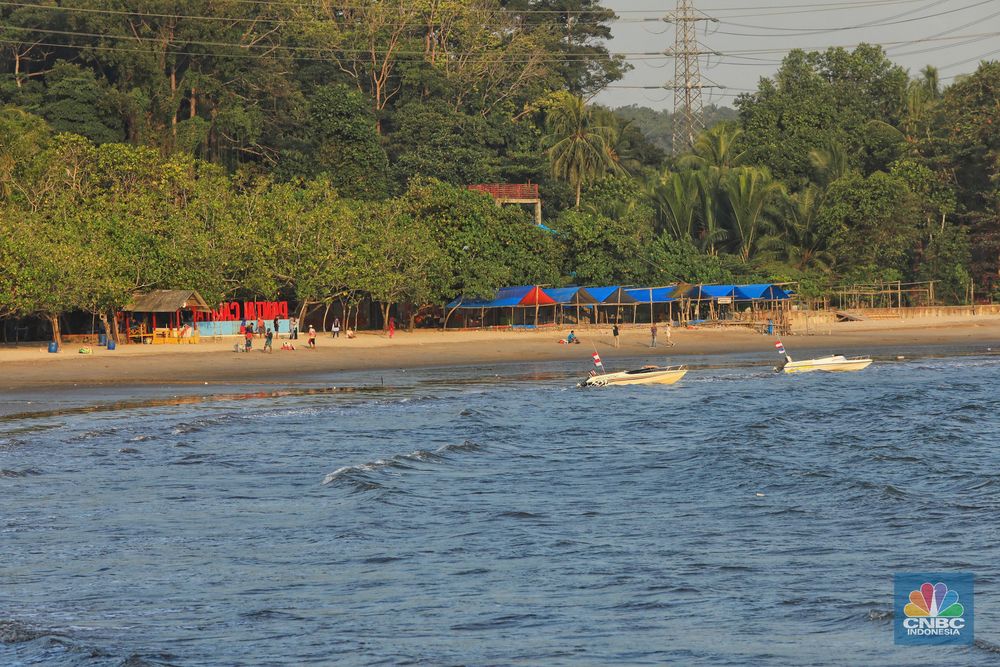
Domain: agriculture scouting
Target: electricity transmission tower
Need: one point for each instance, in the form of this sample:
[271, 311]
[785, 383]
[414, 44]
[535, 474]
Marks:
[688, 117]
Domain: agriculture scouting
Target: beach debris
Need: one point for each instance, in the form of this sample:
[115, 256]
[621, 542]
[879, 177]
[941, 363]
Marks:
[759, 494]
[900, 357]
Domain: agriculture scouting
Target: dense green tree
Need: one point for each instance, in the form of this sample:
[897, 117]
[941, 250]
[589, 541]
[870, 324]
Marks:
[871, 225]
[818, 99]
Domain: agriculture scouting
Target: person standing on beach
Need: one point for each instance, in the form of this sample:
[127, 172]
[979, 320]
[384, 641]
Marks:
[392, 326]
[652, 333]
[670, 343]
[260, 327]
[275, 325]
[293, 328]
[336, 327]
[615, 333]
[312, 337]
[268, 338]
[248, 337]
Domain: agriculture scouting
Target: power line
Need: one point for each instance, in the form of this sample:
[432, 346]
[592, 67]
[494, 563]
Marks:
[288, 20]
[862, 26]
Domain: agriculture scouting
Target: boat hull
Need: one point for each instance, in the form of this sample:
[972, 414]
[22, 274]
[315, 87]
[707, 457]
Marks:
[828, 364]
[664, 376]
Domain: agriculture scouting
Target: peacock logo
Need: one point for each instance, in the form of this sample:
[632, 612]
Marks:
[934, 613]
[933, 600]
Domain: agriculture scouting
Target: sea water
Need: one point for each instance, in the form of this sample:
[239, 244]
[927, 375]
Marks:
[504, 517]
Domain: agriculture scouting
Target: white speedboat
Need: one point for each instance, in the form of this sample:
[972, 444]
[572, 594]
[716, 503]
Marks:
[836, 362]
[644, 375]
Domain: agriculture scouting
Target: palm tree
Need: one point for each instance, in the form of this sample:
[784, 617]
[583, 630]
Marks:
[711, 211]
[752, 197]
[716, 147]
[675, 199]
[829, 162]
[801, 244]
[579, 144]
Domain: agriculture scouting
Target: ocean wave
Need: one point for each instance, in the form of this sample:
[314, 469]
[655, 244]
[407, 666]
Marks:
[357, 475]
[27, 472]
[16, 632]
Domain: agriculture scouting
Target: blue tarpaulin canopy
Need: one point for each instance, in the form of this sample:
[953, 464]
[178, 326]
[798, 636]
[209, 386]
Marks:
[765, 291]
[571, 295]
[652, 294]
[508, 297]
[712, 292]
[610, 295]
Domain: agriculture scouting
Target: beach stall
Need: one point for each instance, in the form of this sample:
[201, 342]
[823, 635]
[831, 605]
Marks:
[576, 300]
[715, 297]
[164, 316]
[523, 305]
[660, 302]
[740, 305]
[613, 300]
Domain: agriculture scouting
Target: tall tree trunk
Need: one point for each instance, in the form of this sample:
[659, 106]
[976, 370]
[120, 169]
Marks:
[385, 316]
[173, 100]
[56, 335]
[326, 313]
[579, 187]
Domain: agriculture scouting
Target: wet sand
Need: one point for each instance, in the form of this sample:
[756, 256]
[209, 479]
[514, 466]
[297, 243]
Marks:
[29, 367]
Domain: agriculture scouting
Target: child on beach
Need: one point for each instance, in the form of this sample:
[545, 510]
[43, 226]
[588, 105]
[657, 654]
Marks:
[268, 338]
[249, 339]
[312, 337]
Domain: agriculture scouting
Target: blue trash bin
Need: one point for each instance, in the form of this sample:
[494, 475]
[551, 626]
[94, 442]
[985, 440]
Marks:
[53, 347]
[111, 344]
[770, 327]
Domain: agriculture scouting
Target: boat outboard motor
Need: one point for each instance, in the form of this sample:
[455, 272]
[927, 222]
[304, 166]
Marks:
[780, 367]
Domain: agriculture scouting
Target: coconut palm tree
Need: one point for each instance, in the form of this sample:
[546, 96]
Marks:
[800, 243]
[675, 199]
[716, 147]
[711, 210]
[829, 162]
[751, 198]
[579, 143]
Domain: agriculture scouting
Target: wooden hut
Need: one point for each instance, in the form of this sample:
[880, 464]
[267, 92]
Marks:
[164, 316]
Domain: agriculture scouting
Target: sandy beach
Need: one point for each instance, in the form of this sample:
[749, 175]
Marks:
[30, 366]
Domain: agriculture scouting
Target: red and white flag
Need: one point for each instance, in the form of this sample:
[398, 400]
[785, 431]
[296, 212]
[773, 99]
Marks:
[597, 360]
[781, 348]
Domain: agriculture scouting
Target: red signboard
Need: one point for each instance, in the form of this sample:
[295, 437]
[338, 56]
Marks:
[234, 311]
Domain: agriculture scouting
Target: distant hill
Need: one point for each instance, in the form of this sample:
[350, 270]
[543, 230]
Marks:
[658, 126]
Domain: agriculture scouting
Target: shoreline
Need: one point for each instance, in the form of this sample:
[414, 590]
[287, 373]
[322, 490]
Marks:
[29, 367]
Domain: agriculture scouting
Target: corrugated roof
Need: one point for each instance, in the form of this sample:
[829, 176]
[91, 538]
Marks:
[167, 301]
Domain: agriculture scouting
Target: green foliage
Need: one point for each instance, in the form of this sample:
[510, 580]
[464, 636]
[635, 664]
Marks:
[946, 259]
[818, 99]
[341, 142]
[75, 101]
[870, 224]
[579, 145]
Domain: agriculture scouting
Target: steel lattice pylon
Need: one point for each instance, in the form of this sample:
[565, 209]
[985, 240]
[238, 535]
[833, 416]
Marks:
[688, 118]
